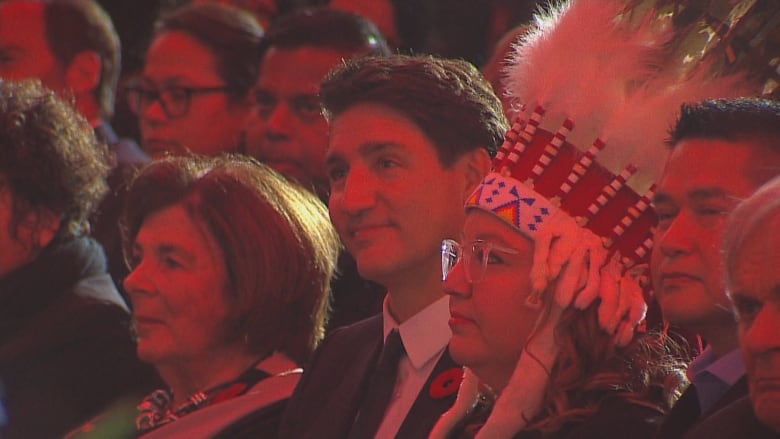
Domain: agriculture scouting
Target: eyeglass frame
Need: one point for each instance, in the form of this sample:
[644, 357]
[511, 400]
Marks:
[465, 256]
[135, 96]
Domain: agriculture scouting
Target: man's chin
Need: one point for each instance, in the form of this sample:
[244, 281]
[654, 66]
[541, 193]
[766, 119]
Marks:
[697, 317]
[374, 268]
[766, 408]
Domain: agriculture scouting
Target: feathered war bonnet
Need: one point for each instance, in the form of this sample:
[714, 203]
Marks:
[596, 85]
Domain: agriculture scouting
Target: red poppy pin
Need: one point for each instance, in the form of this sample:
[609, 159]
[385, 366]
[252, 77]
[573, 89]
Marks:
[446, 383]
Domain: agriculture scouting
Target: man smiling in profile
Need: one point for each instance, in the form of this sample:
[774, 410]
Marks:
[400, 170]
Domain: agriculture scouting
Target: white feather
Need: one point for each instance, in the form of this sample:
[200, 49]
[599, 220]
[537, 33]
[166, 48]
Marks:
[605, 69]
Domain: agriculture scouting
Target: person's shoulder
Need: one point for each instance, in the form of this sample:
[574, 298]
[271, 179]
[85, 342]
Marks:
[367, 324]
[98, 303]
[97, 289]
[255, 414]
[357, 333]
[326, 400]
[616, 418]
[126, 150]
[735, 421]
[102, 315]
[344, 345]
[263, 423]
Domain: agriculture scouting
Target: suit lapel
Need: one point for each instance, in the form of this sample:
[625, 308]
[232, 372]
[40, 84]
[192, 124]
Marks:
[735, 392]
[686, 412]
[344, 402]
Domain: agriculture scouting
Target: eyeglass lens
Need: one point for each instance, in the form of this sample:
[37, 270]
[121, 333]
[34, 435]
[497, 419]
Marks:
[474, 256]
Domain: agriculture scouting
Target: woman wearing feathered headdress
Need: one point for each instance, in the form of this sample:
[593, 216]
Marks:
[546, 284]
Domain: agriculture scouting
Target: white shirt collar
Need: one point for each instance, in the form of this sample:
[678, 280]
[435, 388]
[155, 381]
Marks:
[425, 334]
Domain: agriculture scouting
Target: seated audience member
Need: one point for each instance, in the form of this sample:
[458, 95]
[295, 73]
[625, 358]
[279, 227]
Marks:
[229, 284]
[193, 95]
[65, 344]
[410, 138]
[72, 47]
[739, 139]
[287, 131]
[751, 249]
[547, 363]
[576, 143]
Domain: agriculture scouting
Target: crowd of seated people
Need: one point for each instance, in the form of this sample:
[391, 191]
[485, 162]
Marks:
[327, 222]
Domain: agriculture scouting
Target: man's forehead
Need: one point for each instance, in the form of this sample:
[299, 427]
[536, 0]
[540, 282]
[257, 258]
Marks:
[22, 28]
[11, 11]
[302, 67]
[706, 168]
[367, 149]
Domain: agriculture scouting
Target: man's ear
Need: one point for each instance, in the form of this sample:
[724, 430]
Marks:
[477, 164]
[83, 73]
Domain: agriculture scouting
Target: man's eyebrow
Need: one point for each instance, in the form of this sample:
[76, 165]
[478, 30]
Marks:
[365, 149]
[379, 146]
[698, 194]
[705, 193]
[305, 96]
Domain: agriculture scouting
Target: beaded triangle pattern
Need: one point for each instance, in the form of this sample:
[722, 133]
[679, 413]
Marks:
[513, 202]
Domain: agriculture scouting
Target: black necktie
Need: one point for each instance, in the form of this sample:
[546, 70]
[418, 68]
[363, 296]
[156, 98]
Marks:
[381, 386]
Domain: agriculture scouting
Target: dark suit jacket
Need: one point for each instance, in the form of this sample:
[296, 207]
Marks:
[686, 412]
[328, 396]
[735, 421]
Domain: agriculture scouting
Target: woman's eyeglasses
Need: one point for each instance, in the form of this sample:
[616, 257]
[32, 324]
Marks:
[476, 255]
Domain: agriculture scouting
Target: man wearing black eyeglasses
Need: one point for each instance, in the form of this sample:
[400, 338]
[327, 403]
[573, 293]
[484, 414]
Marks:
[193, 96]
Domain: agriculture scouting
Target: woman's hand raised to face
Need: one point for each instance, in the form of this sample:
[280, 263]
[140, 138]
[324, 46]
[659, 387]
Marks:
[575, 259]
